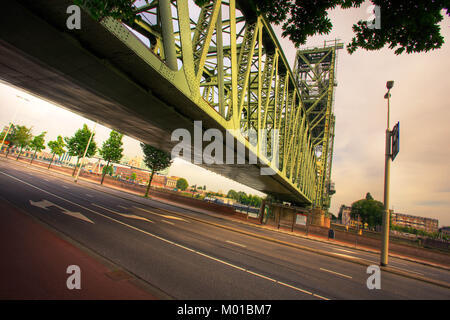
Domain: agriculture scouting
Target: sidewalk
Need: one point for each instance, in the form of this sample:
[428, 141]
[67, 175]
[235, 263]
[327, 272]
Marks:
[34, 261]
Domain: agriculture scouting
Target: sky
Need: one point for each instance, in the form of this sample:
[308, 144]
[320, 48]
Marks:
[420, 174]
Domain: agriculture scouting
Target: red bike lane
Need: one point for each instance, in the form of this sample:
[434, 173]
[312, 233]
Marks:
[34, 262]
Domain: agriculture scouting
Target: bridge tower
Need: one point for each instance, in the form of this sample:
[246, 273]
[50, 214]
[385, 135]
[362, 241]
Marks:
[315, 74]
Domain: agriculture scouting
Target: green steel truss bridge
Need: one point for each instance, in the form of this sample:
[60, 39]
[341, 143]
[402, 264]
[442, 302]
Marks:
[220, 64]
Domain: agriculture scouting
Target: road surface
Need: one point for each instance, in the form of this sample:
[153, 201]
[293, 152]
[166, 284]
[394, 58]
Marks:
[187, 259]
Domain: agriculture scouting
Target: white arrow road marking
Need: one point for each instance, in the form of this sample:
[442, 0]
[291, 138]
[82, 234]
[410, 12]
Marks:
[161, 215]
[123, 214]
[44, 204]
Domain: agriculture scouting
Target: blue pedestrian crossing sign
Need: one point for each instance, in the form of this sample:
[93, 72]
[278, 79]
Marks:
[395, 138]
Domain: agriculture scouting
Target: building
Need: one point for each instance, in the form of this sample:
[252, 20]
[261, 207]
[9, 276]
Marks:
[344, 213]
[171, 182]
[346, 219]
[445, 230]
[126, 173]
[159, 181]
[420, 223]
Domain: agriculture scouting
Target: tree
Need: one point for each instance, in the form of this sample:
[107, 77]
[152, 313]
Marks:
[232, 194]
[112, 150]
[118, 9]
[76, 145]
[107, 170]
[133, 176]
[405, 25]
[369, 210]
[156, 160]
[8, 136]
[182, 184]
[37, 144]
[22, 138]
[56, 147]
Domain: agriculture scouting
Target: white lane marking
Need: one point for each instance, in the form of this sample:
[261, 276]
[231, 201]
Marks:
[132, 216]
[344, 255]
[406, 270]
[89, 195]
[122, 207]
[236, 244]
[163, 239]
[337, 273]
[46, 180]
[343, 250]
[161, 215]
[400, 263]
[168, 222]
[65, 187]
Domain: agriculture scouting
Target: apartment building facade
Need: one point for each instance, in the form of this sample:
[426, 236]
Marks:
[416, 222]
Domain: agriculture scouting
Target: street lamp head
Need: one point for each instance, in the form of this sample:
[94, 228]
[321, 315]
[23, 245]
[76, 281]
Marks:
[389, 84]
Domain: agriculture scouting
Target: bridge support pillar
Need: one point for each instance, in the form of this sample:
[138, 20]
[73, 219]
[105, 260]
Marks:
[282, 215]
[317, 218]
[262, 210]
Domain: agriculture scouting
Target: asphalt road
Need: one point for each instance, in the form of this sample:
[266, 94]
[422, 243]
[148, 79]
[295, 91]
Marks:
[187, 259]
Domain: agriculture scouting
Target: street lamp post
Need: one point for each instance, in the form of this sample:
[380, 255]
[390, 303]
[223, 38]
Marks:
[386, 215]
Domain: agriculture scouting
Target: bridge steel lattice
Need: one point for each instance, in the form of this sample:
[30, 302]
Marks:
[236, 70]
[315, 74]
[177, 63]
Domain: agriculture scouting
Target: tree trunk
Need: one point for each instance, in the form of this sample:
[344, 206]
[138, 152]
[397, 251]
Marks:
[34, 155]
[51, 161]
[104, 172]
[20, 152]
[7, 152]
[74, 169]
[149, 184]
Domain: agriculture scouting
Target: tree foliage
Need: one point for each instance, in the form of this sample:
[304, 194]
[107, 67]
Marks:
[56, 147]
[8, 137]
[118, 9]
[405, 25]
[182, 184]
[38, 144]
[76, 145]
[107, 170]
[243, 198]
[22, 138]
[369, 210]
[156, 160]
[112, 150]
